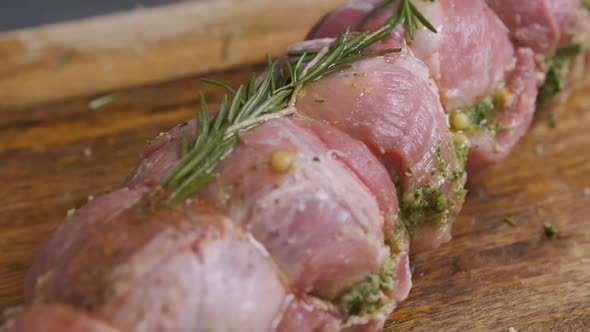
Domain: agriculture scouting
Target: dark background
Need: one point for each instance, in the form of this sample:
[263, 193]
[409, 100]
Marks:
[16, 14]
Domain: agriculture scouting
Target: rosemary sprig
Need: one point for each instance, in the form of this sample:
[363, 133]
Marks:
[255, 103]
[407, 12]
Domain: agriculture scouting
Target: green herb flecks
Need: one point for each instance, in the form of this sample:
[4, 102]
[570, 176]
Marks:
[558, 68]
[64, 58]
[368, 297]
[70, 213]
[462, 144]
[538, 150]
[258, 101]
[396, 238]
[552, 119]
[407, 12]
[427, 204]
[555, 79]
[229, 41]
[104, 100]
[550, 231]
[474, 116]
[440, 161]
[509, 221]
[483, 114]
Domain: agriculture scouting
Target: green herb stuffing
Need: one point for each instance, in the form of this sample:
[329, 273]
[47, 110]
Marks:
[480, 114]
[461, 143]
[557, 71]
[586, 4]
[394, 238]
[425, 204]
[440, 161]
[368, 297]
[473, 117]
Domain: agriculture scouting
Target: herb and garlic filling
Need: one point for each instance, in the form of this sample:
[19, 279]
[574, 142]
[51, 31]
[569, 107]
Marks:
[425, 204]
[369, 296]
[483, 115]
[374, 293]
[432, 203]
[559, 70]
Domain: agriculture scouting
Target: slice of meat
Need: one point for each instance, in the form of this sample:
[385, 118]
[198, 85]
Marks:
[531, 23]
[179, 269]
[53, 318]
[391, 104]
[322, 218]
[489, 145]
[472, 60]
[302, 316]
[542, 25]
[468, 57]
[81, 225]
[476, 53]
[552, 28]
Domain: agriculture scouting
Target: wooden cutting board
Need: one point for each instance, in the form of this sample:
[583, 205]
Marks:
[56, 151]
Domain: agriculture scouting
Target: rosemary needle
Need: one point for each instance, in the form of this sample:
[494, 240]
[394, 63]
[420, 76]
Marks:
[102, 101]
[408, 13]
[64, 59]
[510, 222]
[550, 231]
[251, 104]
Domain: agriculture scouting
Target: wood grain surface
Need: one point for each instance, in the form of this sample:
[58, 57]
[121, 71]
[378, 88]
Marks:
[55, 151]
[147, 45]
